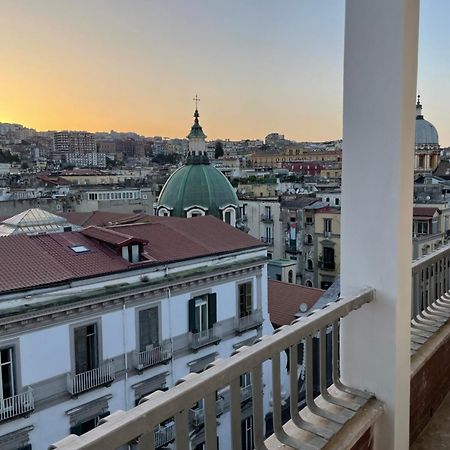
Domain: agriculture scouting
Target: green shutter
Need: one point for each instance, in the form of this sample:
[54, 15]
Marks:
[191, 312]
[212, 309]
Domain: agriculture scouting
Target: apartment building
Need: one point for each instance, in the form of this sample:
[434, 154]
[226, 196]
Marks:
[93, 321]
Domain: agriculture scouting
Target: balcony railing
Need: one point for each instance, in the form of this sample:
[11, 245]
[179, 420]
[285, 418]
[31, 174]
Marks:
[430, 307]
[268, 218]
[123, 427]
[164, 434]
[246, 392]
[327, 265]
[291, 248]
[267, 240]
[252, 320]
[152, 356]
[84, 381]
[16, 405]
[197, 415]
[206, 337]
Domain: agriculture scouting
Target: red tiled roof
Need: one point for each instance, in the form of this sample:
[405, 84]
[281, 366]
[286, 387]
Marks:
[424, 212]
[285, 300]
[103, 218]
[111, 236]
[42, 260]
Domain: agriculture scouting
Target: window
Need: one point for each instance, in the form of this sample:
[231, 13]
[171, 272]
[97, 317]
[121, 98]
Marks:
[268, 235]
[245, 299]
[336, 201]
[328, 257]
[268, 212]
[247, 433]
[86, 348]
[228, 217]
[290, 276]
[309, 239]
[308, 283]
[309, 220]
[202, 313]
[7, 381]
[148, 329]
[327, 225]
[309, 264]
[87, 425]
[422, 227]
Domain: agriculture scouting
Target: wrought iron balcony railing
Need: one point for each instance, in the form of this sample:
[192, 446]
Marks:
[85, 381]
[246, 392]
[327, 265]
[164, 434]
[252, 320]
[205, 337]
[197, 415]
[267, 240]
[152, 356]
[17, 405]
[268, 218]
[123, 427]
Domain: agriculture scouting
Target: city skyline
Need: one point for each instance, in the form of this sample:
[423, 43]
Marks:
[106, 66]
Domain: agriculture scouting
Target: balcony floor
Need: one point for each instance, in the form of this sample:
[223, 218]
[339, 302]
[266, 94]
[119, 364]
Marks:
[436, 434]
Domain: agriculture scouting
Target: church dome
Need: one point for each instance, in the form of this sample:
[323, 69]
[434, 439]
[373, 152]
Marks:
[426, 133]
[197, 185]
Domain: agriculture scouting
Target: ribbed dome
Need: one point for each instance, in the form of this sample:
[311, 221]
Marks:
[197, 185]
[426, 133]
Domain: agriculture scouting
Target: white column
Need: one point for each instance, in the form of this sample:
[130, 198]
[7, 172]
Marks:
[380, 71]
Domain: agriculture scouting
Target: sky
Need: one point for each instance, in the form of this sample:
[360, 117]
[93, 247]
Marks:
[258, 66]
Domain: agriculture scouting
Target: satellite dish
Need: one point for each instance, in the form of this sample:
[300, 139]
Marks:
[303, 307]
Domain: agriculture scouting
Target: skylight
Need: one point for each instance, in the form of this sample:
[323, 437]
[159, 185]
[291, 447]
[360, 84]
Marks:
[79, 249]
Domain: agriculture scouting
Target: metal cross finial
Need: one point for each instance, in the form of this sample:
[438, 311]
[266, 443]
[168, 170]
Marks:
[196, 100]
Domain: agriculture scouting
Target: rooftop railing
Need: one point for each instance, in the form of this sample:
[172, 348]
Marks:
[430, 304]
[123, 427]
[17, 405]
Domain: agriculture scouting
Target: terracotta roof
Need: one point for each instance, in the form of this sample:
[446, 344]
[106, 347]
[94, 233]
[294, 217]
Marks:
[48, 259]
[103, 218]
[110, 236]
[285, 300]
[424, 212]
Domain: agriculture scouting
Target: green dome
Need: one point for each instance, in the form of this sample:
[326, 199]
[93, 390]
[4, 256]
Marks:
[197, 185]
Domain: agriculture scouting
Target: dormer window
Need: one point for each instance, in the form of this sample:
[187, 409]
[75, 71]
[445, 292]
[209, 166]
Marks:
[131, 253]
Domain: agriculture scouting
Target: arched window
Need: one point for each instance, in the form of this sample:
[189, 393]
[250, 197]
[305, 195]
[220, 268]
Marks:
[309, 239]
[308, 283]
[309, 264]
[290, 276]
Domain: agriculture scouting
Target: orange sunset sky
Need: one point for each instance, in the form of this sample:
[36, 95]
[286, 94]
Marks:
[258, 66]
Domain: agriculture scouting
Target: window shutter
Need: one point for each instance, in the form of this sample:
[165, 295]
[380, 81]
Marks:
[81, 352]
[212, 309]
[191, 312]
[249, 304]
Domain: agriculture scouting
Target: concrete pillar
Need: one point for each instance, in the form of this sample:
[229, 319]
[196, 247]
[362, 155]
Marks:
[380, 75]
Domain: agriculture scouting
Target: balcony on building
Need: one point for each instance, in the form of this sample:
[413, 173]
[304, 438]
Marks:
[197, 415]
[266, 217]
[248, 320]
[205, 337]
[153, 355]
[327, 265]
[103, 375]
[267, 240]
[164, 434]
[16, 405]
[386, 342]
[291, 246]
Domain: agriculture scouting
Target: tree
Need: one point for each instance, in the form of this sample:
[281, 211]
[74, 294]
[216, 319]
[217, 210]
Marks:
[218, 151]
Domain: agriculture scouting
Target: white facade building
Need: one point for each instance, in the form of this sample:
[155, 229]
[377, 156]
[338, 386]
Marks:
[93, 345]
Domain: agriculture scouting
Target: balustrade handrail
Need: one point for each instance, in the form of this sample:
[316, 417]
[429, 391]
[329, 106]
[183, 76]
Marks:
[123, 427]
[429, 259]
[155, 355]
